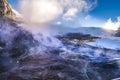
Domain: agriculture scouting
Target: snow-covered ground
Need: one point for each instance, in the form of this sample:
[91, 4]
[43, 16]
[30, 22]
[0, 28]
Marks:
[107, 38]
[91, 52]
[107, 46]
[106, 43]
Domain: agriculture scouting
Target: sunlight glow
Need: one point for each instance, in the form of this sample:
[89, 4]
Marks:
[110, 25]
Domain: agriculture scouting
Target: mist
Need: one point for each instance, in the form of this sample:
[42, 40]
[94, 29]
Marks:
[44, 11]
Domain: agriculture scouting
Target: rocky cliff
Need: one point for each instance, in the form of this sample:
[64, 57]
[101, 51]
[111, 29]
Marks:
[14, 40]
[6, 9]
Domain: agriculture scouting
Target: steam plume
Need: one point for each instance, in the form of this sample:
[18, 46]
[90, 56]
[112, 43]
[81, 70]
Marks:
[46, 10]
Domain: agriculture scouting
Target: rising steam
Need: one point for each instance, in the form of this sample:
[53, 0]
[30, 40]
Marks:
[41, 11]
[44, 11]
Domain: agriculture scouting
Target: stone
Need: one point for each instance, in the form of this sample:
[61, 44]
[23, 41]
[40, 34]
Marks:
[5, 9]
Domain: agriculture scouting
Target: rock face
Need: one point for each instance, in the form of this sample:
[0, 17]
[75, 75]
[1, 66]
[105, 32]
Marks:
[5, 9]
[76, 37]
[14, 40]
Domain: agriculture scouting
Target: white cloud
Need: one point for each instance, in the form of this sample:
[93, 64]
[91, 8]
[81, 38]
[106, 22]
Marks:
[47, 10]
[79, 4]
[71, 12]
[110, 25]
[58, 23]
[88, 17]
[90, 21]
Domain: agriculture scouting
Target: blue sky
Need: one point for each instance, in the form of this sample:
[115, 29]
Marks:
[105, 8]
[101, 13]
[14, 3]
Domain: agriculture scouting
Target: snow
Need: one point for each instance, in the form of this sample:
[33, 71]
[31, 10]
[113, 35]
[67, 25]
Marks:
[106, 47]
[108, 40]
[17, 13]
[94, 53]
[106, 43]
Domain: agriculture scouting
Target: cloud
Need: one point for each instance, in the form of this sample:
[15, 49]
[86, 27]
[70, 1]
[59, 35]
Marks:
[47, 10]
[40, 10]
[110, 25]
[81, 5]
[82, 21]
[70, 13]
[90, 21]
[88, 17]
[58, 23]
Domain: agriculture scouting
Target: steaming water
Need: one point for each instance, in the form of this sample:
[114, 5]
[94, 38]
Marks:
[46, 42]
[46, 39]
[106, 43]
[92, 52]
[99, 50]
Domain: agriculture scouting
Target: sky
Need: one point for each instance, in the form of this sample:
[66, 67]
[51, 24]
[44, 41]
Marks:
[106, 9]
[88, 13]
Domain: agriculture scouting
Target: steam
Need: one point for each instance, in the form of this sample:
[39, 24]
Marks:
[110, 25]
[42, 11]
